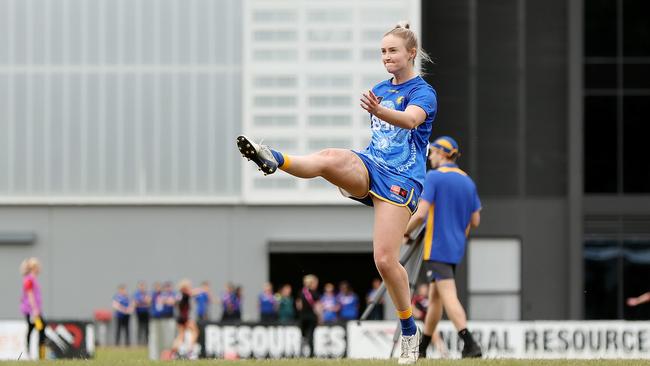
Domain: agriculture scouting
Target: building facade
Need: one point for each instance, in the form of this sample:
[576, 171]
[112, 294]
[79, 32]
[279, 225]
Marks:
[119, 162]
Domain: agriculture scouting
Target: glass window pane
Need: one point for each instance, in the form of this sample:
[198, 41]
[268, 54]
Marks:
[600, 28]
[279, 120]
[494, 265]
[329, 120]
[275, 81]
[329, 81]
[494, 307]
[636, 160]
[274, 36]
[636, 272]
[601, 279]
[275, 55]
[600, 76]
[600, 144]
[270, 15]
[636, 28]
[274, 101]
[330, 55]
[329, 101]
[329, 35]
[636, 76]
[329, 15]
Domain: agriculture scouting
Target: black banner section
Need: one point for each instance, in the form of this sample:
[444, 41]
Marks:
[70, 338]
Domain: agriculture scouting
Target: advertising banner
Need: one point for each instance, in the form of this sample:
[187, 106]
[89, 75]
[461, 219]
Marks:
[249, 340]
[532, 339]
[64, 339]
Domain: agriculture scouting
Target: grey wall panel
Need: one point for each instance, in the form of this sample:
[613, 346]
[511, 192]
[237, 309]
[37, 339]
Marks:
[546, 104]
[541, 225]
[87, 251]
[120, 98]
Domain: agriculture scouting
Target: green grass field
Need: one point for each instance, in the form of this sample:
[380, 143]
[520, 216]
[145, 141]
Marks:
[138, 356]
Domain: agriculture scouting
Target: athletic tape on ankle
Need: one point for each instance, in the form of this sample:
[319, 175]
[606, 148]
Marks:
[404, 314]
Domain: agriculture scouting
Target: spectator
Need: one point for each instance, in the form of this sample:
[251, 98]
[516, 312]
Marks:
[123, 309]
[168, 299]
[268, 306]
[142, 302]
[31, 304]
[238, 302]
[230, 304]
[349, 302]
[421, 302]
[203, 297]
[377, 312]
[286, 311]
[308, 307]
[156, 301]
[330, 304]
[185, 324]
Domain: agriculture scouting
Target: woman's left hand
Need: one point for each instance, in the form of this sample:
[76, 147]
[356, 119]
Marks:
[370, 102]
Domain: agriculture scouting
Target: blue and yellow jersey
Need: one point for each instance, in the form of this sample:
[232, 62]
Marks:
[400, 151]
[453, 198]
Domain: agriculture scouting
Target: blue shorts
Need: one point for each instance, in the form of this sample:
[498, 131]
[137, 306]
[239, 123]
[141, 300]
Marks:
[395, 189]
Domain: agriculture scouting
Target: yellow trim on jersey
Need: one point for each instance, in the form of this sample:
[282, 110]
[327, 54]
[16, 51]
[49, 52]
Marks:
[395, 203]
[446, 169]
[428, 233]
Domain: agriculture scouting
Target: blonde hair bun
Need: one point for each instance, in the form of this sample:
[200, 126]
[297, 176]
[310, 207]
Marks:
[403, 24]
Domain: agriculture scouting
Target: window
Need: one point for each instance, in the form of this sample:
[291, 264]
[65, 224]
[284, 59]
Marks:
[617, 266]
[329, 101]
[274, 36]
[303, 70]
[617, 96]
[275, 120]
[494, 282]
[330, 54]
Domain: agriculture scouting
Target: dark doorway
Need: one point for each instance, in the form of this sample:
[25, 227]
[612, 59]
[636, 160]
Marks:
[356, 268]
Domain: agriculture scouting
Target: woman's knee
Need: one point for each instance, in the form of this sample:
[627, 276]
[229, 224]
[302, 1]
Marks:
[385, 262]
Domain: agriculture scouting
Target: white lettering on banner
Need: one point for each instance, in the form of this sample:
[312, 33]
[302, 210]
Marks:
[534, 339]
[247, 341]
[329, 341]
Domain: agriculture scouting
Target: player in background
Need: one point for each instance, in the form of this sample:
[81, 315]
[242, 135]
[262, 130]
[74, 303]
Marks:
[450, 205]
[329, 304]
[309, 310]
[349, 302]
[31, 303]
[388, 174]
[185, 348]
[377, 312]
[286, 309]
[123, 308]
[203, 297]
[268, 305]
[142, 302]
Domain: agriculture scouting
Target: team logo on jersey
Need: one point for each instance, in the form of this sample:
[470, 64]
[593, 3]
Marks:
[399, 100]
[398, 190]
